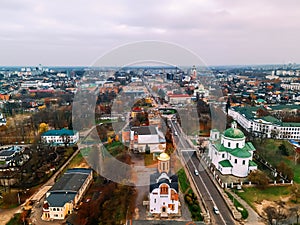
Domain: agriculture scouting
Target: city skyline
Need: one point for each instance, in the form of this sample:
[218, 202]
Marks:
[220, 32]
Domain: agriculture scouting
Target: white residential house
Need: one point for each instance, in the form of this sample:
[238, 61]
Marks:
[66, 193]
[175, 99]
[150, 136]
[164, 192]
[60, 137]
[230, 153]
[12, 156]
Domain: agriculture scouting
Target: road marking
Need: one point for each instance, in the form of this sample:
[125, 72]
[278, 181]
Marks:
[207, 190]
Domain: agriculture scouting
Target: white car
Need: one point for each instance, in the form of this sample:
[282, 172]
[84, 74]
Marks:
[196, 172]
[216, 210]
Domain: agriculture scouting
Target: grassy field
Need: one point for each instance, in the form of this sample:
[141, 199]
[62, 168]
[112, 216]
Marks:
[296, 168]
[254, 195]
[183, 181]
[202, 133]
[189, 196]
[194, 142]
[15, 220]
[106, 121]
[269, 150]
[85, 151]
[115, 148]
[238, 206]
[77, 161]
[148, 159]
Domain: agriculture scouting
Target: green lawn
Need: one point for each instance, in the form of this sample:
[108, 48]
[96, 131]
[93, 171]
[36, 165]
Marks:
[76, 161]
[148, 159]
[238, 206]
[115, 148]
[274, 193]
[268, 149]
[296, 169]
[189, 196]
[106, 121]
[202, 133]
[194, 142]
[85, 151]
[15, 220]
[183, 181]
[168, 111]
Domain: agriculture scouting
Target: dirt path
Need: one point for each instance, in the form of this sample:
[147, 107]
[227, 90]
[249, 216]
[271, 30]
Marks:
[7, 214]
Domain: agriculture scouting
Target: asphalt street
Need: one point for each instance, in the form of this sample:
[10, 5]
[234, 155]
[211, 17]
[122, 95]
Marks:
[209, 191]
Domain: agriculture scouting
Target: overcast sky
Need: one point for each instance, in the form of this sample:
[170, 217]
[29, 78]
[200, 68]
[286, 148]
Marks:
[77, 32]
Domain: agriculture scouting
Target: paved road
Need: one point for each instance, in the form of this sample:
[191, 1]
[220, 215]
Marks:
[209, 192]
[207, 188]
[38, 197]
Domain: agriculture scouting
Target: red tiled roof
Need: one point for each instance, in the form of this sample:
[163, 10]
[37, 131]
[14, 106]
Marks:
[179, 95]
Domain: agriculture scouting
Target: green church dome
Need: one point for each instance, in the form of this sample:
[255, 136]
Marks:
[233, 132]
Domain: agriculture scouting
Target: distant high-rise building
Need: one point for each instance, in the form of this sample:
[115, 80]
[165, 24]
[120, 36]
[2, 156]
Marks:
[194, 73]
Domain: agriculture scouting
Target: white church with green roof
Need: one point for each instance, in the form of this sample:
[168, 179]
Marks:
[230, 153]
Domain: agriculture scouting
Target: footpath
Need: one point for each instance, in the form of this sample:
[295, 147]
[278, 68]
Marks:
[253, 217]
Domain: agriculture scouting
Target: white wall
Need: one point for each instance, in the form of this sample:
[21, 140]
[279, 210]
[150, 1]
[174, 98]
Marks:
[157, 201]
[153, 147]
[57, 213]
[238, 168]
[233, 143]
[224, 170]
[59, 139]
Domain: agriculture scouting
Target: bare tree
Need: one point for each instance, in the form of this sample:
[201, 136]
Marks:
[66, 139]
[275, 214]
[295, 211]
[274, 133]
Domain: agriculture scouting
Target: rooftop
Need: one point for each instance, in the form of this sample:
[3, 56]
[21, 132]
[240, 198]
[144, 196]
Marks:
[240, 153]
[59, 199]
[250, 114]
[251, 163]
[59, 132]
[9, 151]
[179, 95]
[237, 152]
[225, 163]
[72, 180]
[233, 133]
[173, 184]
[163, 157]
[145, 130]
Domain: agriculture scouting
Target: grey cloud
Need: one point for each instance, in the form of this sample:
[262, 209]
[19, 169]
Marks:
[214, 28]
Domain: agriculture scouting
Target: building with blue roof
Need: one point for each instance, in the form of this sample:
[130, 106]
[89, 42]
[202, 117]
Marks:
[66, 193]
[8, 155]
[60, 137]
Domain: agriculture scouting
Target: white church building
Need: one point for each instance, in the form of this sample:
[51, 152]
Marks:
[230, 153]
[163, 196]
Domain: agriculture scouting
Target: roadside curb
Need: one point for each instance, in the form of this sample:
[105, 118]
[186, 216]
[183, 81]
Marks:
[235, 213]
